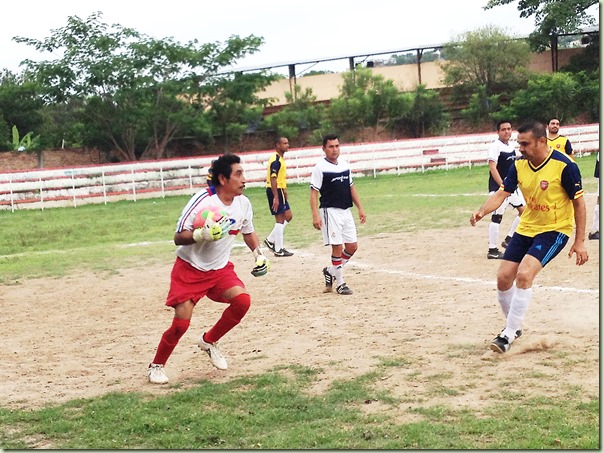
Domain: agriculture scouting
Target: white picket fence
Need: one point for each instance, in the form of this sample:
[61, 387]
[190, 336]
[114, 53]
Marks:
[151, 179]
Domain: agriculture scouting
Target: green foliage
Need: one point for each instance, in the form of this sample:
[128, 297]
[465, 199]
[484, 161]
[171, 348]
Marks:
[300, 114]
[426, 113]
[139, 92]
[411, 58]
[367, 100]
[486, 57]
[20, 103]
[481, 107]
[551, 17]
[588, 97]
[26, 143]
[546, 96]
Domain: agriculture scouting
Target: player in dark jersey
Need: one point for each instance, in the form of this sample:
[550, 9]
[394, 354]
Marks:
[501, 155]
[332, 180]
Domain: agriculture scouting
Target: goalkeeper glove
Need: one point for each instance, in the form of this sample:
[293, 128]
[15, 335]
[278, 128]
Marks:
[225, 224]
[261, 266]
[208, 233]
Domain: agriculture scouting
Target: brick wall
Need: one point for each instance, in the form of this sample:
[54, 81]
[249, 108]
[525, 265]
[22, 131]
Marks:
[54, 158]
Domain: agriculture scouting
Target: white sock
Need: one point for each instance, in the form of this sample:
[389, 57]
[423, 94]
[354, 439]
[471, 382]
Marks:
[278, 236]
[337, 272]
[270, 237]
[517, 313]
[493, 231]
[505, 298]
[595, 219]
[513, 226]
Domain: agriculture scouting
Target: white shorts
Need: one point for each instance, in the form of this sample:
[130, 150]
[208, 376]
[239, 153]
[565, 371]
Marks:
[338, 226]
[515, 199]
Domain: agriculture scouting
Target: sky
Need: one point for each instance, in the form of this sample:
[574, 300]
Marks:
[292, 31]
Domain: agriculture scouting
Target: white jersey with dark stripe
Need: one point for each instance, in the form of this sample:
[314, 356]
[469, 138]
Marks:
[333, 181]
[214, 255]
[504, 155]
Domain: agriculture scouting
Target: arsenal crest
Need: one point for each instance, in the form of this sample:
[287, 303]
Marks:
[544, 185]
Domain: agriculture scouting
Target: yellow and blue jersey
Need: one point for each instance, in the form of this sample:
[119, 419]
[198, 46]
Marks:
[277, 169]
[561, 143]
[548, 190]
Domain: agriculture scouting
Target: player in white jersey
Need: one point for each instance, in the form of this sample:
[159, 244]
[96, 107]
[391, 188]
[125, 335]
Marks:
[594, 231]
[332, 179]
[501, 155]
[203, 266]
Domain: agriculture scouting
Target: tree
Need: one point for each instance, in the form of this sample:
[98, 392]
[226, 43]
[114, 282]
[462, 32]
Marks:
[301, 113]
[551, 17]
[20, 102]
[546, 96]
[426, 113]
[137, 92]
[367, 100]
[485, 57]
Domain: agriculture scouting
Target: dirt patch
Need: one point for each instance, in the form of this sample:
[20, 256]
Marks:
[423, 311]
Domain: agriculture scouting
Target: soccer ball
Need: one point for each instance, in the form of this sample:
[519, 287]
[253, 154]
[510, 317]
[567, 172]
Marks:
[209, 216]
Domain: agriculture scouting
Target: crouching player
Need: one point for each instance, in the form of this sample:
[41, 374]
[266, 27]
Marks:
[203, 266]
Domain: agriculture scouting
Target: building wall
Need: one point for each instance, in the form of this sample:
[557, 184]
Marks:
[405, 77]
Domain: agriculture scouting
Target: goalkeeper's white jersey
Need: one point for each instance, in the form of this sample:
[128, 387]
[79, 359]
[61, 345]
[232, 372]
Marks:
[204, 255]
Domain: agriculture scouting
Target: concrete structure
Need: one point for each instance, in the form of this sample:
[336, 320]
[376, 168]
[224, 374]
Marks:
[406, 77]
[42, 189]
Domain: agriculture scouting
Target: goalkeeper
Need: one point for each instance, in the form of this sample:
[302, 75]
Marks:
[203, 266]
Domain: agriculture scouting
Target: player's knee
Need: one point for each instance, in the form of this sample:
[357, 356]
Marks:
[240, 304]
[177, 329]
[350, 249]
[524, 279]
[496, 218]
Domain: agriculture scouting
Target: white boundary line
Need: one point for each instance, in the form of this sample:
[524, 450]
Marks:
[418, 276]
[364, 266]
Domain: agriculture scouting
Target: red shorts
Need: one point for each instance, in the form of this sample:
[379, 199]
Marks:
[189, 283]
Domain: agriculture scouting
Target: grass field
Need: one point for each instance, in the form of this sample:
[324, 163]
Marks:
[273, 410]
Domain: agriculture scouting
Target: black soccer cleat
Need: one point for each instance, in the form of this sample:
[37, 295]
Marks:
[328, 280]
[495, 254]
[269, 244]
[500, 344]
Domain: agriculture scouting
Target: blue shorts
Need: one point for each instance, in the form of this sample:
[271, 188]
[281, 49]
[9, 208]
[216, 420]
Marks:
[544, 246]
[282, 204]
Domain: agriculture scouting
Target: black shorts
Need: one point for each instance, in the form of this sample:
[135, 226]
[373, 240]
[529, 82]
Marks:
[544, 246]
[282, 204]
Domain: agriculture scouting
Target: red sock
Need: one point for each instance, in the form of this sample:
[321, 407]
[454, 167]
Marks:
[233, 314]
[170, 339]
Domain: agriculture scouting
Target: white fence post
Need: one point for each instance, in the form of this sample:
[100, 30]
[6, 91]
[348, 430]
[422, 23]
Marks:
[73, 188]
[41, 193]
[12, 198]
[133, 184]
[162, 182]
[104, 186]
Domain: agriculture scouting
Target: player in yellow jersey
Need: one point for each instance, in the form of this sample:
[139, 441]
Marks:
[552, 187]
[557, 141]
[278, 202]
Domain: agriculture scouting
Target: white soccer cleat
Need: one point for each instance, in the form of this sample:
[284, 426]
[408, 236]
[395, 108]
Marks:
[156, 374]
[213, 351]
